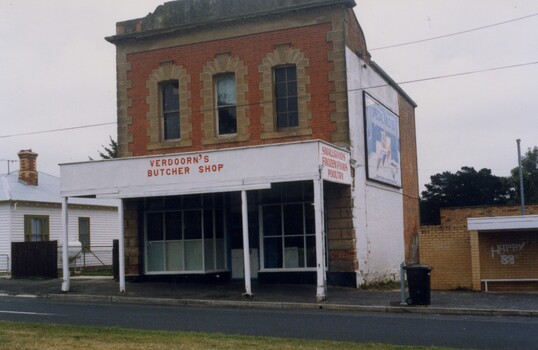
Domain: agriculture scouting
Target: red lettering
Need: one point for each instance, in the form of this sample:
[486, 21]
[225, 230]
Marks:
[210, 168]
[335, 174]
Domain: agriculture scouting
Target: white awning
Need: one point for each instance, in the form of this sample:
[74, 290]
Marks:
[503, 223]
[233, 169]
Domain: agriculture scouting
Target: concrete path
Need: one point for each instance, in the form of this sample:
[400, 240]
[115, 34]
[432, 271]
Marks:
[274, 296]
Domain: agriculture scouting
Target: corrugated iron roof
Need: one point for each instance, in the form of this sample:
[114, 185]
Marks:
[47, 191]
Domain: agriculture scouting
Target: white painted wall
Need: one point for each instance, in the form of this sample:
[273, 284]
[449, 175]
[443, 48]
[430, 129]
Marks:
[103, 227]
[5, 237]
[378, 210]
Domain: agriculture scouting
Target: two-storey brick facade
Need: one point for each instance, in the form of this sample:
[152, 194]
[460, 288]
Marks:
[203, 77]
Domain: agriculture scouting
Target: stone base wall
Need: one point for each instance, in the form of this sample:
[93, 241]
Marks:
[132, 245]
[340, 232]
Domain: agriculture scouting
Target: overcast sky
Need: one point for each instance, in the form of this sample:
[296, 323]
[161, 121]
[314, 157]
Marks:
[57, 71]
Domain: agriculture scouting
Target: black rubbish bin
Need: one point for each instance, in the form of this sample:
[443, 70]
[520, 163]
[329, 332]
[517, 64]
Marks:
[418, 282]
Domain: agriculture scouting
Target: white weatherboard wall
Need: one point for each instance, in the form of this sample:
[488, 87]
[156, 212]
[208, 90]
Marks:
[5, 237]
[378, 210]
[103, 227]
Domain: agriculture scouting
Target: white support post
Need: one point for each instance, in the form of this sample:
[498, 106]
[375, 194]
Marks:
[121, 247]
[65, 246]
[321, 290]
[246, 244]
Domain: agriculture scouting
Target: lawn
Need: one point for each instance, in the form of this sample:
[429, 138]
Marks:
[46, 336]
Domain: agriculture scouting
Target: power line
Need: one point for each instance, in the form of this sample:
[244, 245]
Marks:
[300, 96]
[453, 34]
[55, 130]
[466, 73]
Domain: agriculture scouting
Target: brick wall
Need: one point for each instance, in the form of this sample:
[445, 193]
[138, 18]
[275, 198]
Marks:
[408, 149]
[447, 249]
[458, 216]
[355, 39]
[508, 254]
[250, 50]
[450, 251]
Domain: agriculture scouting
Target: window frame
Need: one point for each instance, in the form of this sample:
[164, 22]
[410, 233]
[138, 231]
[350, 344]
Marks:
[210, 239]
[281, 202]
[219, 108]
[28, 228]
[174, 113]
[287, 97]
[86, 242]
[284, 54]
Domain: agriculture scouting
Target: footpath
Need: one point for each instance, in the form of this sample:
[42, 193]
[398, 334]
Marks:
[278, 296]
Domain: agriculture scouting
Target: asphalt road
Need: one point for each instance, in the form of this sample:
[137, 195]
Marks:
[476, 332]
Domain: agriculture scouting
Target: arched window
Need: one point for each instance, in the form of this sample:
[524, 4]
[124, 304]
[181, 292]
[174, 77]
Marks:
[224, 88]
[285, 95]
[169, 113]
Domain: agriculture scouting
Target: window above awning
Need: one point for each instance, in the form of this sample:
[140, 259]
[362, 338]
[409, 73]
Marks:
[226, 170]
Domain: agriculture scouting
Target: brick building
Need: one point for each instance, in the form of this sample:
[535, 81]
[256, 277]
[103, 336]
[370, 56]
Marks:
[483, 248]
[259, 124]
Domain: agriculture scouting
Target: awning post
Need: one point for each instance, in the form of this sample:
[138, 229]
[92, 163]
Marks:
[321, 290]
[65, 246]
[121, 246]
[246, 244]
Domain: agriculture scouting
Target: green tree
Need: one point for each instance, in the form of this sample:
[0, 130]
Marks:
[529, 165]
[109, 152]
[466, 187]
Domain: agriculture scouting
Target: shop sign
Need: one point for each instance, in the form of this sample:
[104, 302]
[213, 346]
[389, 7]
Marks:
[335, 164]
[209, 171]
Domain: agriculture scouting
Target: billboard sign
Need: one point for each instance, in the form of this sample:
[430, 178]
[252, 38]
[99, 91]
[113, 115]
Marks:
[382, 128]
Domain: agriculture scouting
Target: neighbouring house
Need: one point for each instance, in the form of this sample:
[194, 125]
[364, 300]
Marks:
[30, 211]
[483, 248]
[257, 140]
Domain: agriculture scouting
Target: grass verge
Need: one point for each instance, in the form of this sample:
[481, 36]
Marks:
[24, 336]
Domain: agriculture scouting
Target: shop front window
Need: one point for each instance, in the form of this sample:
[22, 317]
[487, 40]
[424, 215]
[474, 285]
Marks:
[287, 227]
[185, 235]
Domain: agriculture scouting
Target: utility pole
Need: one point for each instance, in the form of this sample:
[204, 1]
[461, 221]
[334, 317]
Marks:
[521, 190]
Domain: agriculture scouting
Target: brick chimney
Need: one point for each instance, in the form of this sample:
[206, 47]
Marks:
[28, 168]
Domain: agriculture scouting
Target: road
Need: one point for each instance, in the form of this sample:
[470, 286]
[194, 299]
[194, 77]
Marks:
[403, 329]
